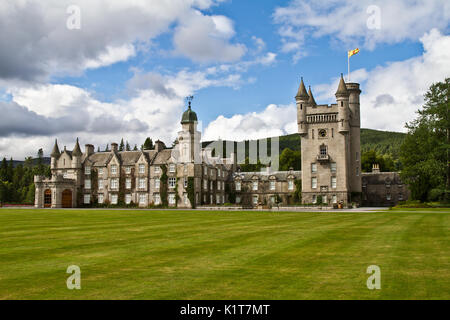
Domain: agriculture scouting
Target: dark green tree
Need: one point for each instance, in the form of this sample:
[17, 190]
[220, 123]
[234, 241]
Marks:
[121, 146]
[127, 147]
[290, 159]
[148, 144]
[425, 152]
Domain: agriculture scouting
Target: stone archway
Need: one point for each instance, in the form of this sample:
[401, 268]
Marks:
[66, 199]
[48, 198]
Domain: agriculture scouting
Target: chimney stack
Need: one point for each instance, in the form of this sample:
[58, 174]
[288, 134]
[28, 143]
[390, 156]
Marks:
[89, 149]
[376, 168]
[114, 147]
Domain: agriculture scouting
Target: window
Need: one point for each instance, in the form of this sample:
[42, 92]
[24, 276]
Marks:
[157, 170]
[185, 183]
[291, 184]
[333, 167]
[87, 198]
[333, 182]
[65, 175]
[322, 133]
[114, 169]
[100, 171]
[157, 199]
[314, 183]
[255, 185]
[238, 199]
[323, 150]
[238, 186]
[157, 183]
[87, 184]
[314, 199]
[357, 171]
[272, 199]
[142, 183]
[142, 199]
[100, 198]
[218, 185]
[218, 172]
[172, 183]
[388, 197]
[100, 184]
[312, 133]
[324, 199]
[211, 186]
[218, 199]
[357, 156]
[186, 199]
[87, 170]
[128, 198]
[172, 199]
[334, 199]
[114, 198]
[128, 170]
[114, 184]
[205, 184]
[142, 168]
[272, 185]
[211, 199]
[205, 171]
[400, 197]
[255, 199]
[172, 168]
[128, 183]
[313, 167]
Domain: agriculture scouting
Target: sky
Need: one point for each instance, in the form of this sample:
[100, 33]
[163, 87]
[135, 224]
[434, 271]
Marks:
[110, 69]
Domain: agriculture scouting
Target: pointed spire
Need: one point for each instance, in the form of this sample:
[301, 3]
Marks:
[342, 89]
[77, 150]
[55, 151]
[311, 100]
[302, 91]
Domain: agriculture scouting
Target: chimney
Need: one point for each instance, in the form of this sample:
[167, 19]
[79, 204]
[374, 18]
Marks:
[159, 146]
[376, 168]
[89, 149]
[114, 147]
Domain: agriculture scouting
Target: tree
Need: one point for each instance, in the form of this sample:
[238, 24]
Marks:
[148, 144]
[425, 151]
[135, 148]
[107, 148]
[4, 170]
[122, 145]
[127, 147]
[290, 159]
[371, 157]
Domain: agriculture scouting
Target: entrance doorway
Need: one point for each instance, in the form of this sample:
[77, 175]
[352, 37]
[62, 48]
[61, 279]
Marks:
[67, 199]
[48, 198]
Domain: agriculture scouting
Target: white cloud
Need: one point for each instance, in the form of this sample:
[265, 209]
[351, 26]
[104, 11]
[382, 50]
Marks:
[36, 42]
[206, 38]
[347, 21]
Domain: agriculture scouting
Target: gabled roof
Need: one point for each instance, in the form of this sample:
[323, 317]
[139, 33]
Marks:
[163, 157]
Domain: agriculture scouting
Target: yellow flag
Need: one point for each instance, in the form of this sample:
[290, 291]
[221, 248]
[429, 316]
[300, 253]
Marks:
[353, 52]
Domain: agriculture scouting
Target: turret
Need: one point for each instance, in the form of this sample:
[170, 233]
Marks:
[302, 99]
[189, 120]
[342, 97]
[55, 155]
[76, 156]
[311, 101]
[354, 104]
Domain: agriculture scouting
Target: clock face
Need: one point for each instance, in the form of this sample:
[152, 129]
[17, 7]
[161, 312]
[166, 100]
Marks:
[322, 133]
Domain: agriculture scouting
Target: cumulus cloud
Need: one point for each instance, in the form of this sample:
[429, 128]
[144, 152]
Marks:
[355, 22]
[36, 42]
[206, 38]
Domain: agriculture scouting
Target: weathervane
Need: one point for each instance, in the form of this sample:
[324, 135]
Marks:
[189, 100]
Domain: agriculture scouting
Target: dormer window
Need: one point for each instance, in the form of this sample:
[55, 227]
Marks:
[142, 168]
[114, 169]
[172, 168]
[87, 170]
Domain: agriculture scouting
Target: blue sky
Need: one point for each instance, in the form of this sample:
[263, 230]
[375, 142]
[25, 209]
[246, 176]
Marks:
[125, 71]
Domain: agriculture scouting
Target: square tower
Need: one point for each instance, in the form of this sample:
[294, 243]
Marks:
[330, 144]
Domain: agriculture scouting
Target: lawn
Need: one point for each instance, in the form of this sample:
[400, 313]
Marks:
[227, 255]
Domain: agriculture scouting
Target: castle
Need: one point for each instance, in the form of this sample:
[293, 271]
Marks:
[188, 175]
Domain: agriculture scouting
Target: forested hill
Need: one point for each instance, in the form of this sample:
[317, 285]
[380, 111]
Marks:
[383, 142]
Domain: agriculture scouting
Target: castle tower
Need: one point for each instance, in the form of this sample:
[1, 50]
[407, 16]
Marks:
[330, 145]
[189, 138]
[302, 99]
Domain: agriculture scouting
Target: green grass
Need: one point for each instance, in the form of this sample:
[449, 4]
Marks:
[228, 255]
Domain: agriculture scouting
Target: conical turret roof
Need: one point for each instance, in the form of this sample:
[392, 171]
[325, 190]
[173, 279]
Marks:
[55, 151]
[311, 100]
[342, 89]
[77, 150]
[302, 91]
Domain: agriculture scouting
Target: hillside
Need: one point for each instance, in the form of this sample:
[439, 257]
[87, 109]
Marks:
[383, 142]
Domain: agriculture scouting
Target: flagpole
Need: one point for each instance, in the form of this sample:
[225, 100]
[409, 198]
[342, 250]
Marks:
[348, 58]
